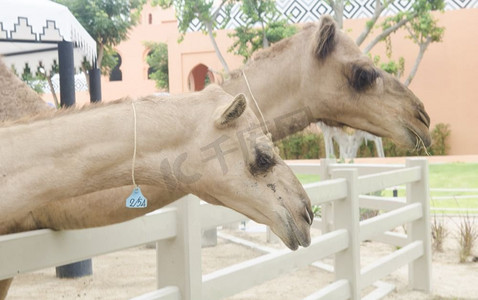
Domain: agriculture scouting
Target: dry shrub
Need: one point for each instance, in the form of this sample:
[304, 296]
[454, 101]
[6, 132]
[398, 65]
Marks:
[467, 236]
[439, 233]
[307, 144]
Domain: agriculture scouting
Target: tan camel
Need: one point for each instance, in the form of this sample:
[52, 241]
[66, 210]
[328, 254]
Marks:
[320, 73]
[177, 141]
[206, 143]
[327, 78]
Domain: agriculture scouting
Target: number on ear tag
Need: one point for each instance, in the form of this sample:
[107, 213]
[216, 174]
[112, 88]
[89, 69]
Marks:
[136, 199]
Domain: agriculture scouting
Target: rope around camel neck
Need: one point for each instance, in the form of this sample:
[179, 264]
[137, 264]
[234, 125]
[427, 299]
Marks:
[134, 149]
[255, 102]
[134, 126]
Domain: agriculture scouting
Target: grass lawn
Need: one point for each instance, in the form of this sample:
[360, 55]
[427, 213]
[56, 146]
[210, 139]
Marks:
[450, 176]
[308, 178]
[454, 175]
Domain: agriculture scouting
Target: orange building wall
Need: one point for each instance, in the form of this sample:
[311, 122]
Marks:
[446, 81]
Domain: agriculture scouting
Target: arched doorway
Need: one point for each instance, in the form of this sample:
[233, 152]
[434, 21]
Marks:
[151, 70]
[199, 77]
[115, 73]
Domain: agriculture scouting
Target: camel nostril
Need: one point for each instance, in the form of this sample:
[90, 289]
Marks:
[423, 116]
[309, 215]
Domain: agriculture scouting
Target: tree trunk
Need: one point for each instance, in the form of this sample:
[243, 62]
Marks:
[99, 59]
[99, 56]
[265, 42]
[384, 34]
[52, 90]
[418, 60]
[338, 7]
[379, 8]
[216, 48]
[87, 76]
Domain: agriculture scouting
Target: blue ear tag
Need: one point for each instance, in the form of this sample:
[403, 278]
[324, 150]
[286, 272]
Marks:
[136, 199]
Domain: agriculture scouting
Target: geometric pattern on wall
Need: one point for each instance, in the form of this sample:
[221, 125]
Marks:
[80, 83]
[459, 4]
[301, 11]
[22, 30]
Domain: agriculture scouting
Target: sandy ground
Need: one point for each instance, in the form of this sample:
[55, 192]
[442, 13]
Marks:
[131, 272]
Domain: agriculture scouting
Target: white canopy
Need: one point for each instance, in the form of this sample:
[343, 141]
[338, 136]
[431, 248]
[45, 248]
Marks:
[31, 29]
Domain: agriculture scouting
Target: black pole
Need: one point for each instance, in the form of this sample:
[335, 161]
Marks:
[67, 73]
[75, 270]
[67, 98]
[95, 84]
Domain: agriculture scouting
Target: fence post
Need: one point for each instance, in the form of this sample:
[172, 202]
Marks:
[346, 216]
[179, 259]
[271, 237]
[419, 271]
[209, 237]
[326, 211]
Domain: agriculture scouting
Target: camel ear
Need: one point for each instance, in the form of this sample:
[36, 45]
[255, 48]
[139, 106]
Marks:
[225, 116]
[326, 37]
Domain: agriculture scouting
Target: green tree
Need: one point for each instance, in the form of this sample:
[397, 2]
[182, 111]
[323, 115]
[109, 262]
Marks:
[157, 60]
[249, 38]
[260, 11]
[422, 27]
[205, 11]
[46, 75]
[36, 79]
[31, 78]
[108, 22]
[392, 23]
[423, 31]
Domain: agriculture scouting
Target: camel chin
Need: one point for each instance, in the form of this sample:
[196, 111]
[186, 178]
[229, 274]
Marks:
[407, 136]
[293, 233]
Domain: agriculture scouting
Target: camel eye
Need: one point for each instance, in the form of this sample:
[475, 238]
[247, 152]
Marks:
[264, 160]
[262, 164]
[362, 78]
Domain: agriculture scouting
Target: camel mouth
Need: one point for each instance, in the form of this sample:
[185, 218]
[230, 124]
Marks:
[418, 133]
[297, 237]
[292, 229]
[418, 141]
[293, 234]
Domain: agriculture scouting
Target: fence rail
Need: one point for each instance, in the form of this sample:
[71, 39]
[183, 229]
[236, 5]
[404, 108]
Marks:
[177, 230]
[452, 195]
[34, 250]
[236, 278]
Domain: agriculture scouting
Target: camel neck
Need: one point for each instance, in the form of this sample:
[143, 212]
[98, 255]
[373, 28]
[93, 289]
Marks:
[94, 147]
[276, 94]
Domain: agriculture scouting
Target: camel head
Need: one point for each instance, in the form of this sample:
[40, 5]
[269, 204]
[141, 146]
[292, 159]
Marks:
[346, 88]
[240, 169]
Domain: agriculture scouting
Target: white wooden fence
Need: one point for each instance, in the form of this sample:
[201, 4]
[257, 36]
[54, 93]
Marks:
[455, 194]
[177, 230]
